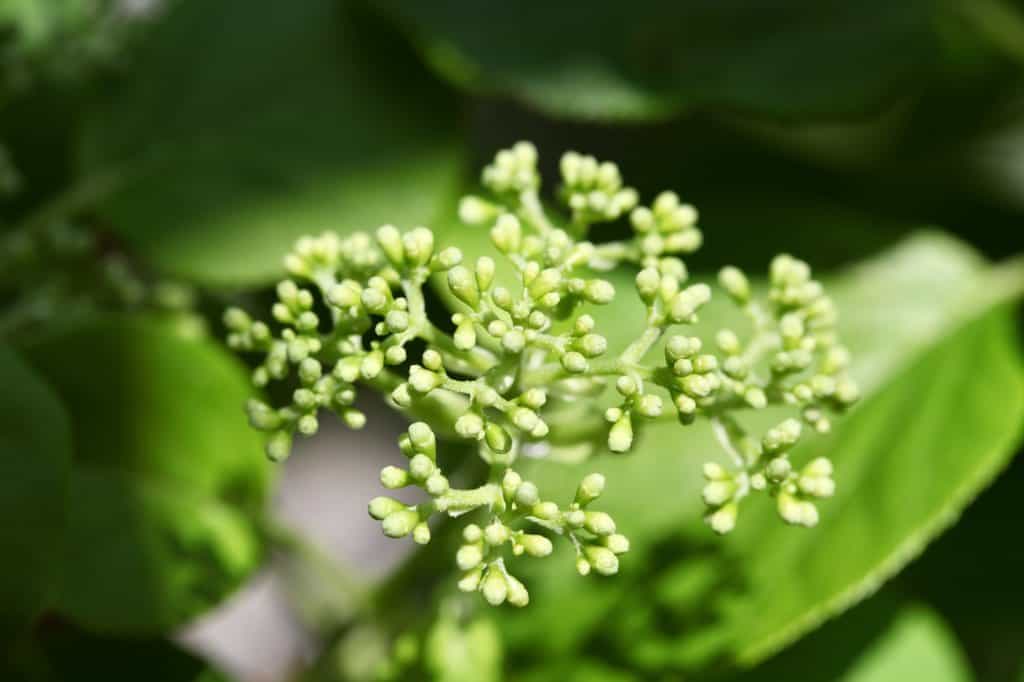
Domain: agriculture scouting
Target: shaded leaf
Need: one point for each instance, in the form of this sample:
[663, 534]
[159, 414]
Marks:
[35, 459]
[649, 60]
[242, 126]
[168, 480]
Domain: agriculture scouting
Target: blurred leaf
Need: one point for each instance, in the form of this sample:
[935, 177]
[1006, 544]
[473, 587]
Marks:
[647, 60]
[58, 653]
[879, 641]
[35, 458]
[468, 652]
[899, 312]
[243, 125]
[168, 479]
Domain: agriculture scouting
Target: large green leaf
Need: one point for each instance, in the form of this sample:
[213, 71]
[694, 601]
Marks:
[643, 60]
[882, 640]
[58, 653]
[899, 314]
[35, 458]
[243, 125]
[168, 481]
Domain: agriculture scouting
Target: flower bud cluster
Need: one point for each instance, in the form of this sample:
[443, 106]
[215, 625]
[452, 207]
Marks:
[523, 365]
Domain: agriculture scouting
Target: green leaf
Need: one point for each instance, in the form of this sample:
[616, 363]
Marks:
[243, 125]
[168, 480]
[918, 448]
[59, 653]
[464, 653]
[879, 641]
[649, 60]
[35, 458]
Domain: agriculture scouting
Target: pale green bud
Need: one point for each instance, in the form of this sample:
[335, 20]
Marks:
[602, 559]
[847, 391]
[687, 302]
[537, 545]
[620, 436]
[485, 269]
[648, 283]
[469, 556]
[448, 258]
[436, 484]
[400, 523]
[593, 345]
[514, 341]
[507, 234]
[617, 543]
[696, 385]
[717, 493]
[374, 300]
[681, 347]
[423, 380]
[432, 360]
[372, 364]
[465, 336]
[590, 488]
[421, 467]
[262, 416]
[599, 291]
[470, 425]
[728, 342]
[470, 582]
[784, 435]
[496, 533]
[735, 283]
[755, 397]
[472, 533]
[778, 470]
[463, 284]
[599, 523]
[476, 211]
[418, 245]
[381, 507]
[395, 355]
[279, 446]
[723, 520]
[421, 533]
[626, 385]
[685, 404]
[574, 362]
[397, 320]
[401, 395]
[527, 494]
[796, 511]
[497, 438]
[390, 240]
[307, 425]
[517, 594]
[494, 587]
[392, 477]
[347, 294]
[354, 419]
[422, 438]
[548, 511]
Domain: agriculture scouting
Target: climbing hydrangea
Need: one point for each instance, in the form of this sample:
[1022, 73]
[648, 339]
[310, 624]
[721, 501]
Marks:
[521, 354]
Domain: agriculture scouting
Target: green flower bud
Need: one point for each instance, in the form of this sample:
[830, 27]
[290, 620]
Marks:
[400, 523]
[372, 364]
[574, 362]
[497, 438]
[307, 425]
[465, 336]
[421, 533]
[392, 477]
[687, 302]
[397, 321]
[390, 240]
[536, 545]
[401, 395]
[527, 494]
[517, 593]
[262, 416]
[472, 533]
[421, 467]
[470, 425]
[494, 587]
[796, 511]
[620, 437]
[477, 211]
[279, 446]
[484, 272]
[547, 511]
[514, 341]
[525, 418]
[599, 523]
[346, 295]
[436, 484]
[395, 355]
[602, 559]
[496, 533]
[462, 283]
[354, 419]
[679, 347]
[735, 284]
[470, 582]
[723, 520]
[618, 544]
[717, 493]
[507, 234]
[599, 291]
[422, 438]
[448, 258]
[590, 488]
[418, 245]
[382, 507]
[423, 380]
[626, 385]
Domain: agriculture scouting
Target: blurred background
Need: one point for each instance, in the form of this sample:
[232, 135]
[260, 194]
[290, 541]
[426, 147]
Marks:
[158, 158]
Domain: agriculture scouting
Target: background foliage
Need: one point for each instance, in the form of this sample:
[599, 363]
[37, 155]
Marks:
[188, 144]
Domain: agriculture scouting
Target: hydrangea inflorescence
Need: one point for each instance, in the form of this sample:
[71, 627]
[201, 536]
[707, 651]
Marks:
[519, 355]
